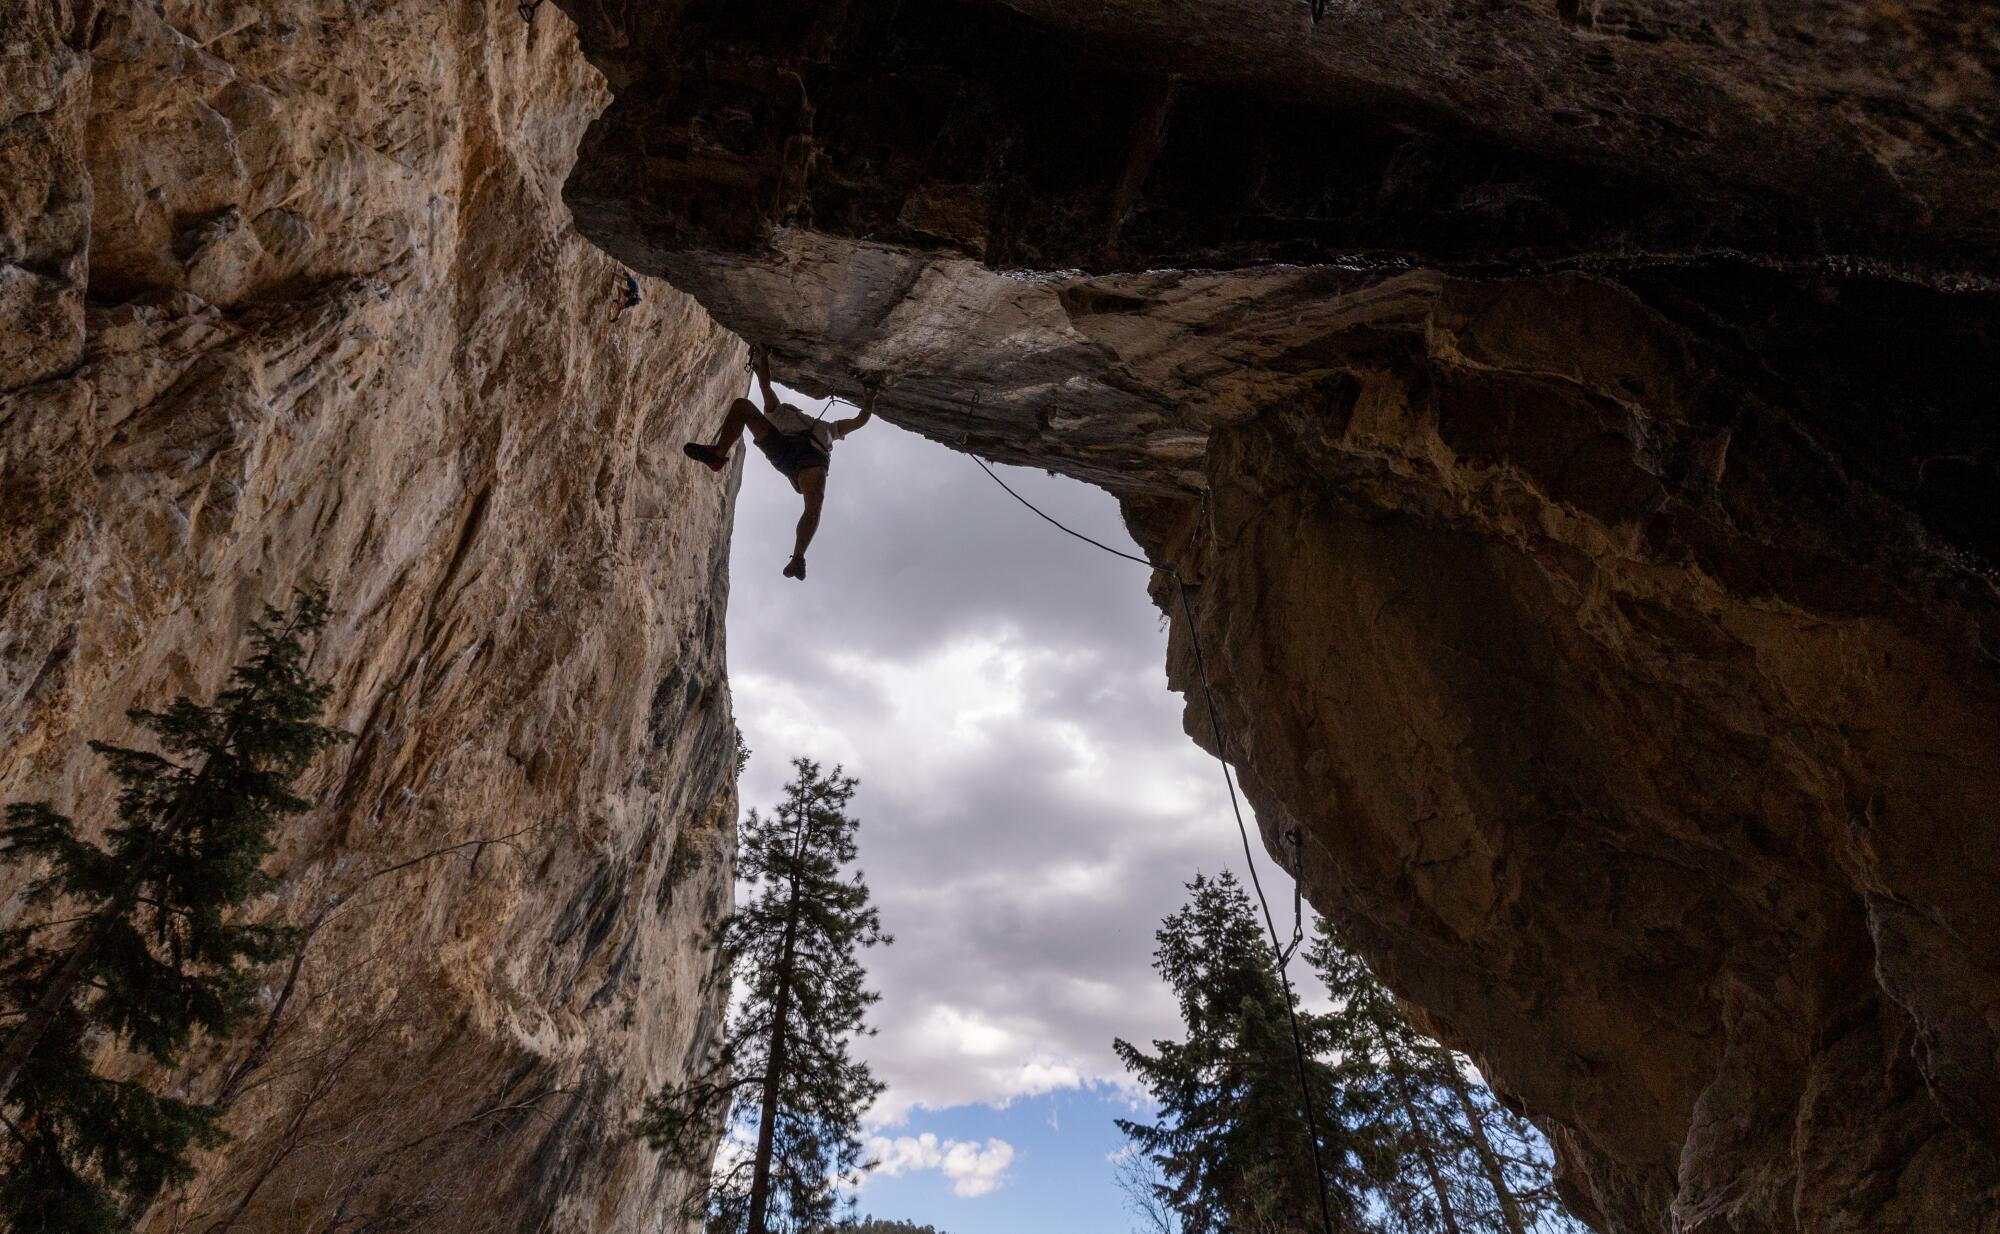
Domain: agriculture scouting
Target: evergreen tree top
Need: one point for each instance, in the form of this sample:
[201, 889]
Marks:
[149, 947]
[1234, 1146]
[783, 1074]
[1213, 954]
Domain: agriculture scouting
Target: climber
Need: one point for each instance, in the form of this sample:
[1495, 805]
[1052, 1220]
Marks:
[799, 448]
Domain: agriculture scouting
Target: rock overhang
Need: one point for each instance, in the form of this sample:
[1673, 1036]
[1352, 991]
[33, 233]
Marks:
[1577, 426]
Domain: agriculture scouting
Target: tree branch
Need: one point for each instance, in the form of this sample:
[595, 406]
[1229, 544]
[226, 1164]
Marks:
[261, 1048]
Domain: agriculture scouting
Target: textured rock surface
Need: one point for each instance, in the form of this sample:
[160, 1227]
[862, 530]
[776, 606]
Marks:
[1591, 537]
[1110, 133]
[289, 291]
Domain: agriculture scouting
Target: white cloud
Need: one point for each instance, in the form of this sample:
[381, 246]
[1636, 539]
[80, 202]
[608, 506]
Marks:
[1030, 805]
[974, 1168]
[1038, 1077]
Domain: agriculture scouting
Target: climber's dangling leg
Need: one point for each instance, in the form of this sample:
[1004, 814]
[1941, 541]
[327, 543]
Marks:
[812, 485]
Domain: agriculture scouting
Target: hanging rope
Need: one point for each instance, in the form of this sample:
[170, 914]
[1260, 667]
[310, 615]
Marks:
[1281, 951]
[1070, 532]
[1298, 892]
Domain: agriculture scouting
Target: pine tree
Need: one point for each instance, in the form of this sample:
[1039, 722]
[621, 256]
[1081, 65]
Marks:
[143, 949]
[1233, 1142]
[782, 1077]
[1448, 1158]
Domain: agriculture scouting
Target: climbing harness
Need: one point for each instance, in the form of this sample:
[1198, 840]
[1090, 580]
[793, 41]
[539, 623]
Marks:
[1281, 951]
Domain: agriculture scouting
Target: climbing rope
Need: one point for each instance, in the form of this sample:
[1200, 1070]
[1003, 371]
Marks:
[1282, 951]
[1298, 891]
[1072, 532]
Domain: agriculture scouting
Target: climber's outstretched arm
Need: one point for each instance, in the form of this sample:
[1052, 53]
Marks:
[842, 428]
[760, 360]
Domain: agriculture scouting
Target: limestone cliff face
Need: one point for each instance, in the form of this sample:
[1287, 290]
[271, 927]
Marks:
[287, 291]
[1590, 533]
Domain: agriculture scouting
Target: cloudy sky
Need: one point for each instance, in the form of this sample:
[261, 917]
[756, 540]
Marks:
[1029, 806]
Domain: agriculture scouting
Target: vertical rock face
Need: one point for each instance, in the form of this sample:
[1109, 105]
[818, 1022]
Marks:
[1664, 819]
[1590, 536]
[288, 292]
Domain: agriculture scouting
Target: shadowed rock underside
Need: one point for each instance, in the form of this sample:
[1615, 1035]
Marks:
[1575, 426]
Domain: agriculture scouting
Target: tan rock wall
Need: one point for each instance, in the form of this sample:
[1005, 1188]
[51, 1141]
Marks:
[288, 292]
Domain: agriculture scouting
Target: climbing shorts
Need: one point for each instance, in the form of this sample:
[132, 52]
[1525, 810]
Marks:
[793, 453]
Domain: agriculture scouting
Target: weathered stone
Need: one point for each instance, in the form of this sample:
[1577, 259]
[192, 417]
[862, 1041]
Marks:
[338, 327]
[1111, 134]
[1590, 535]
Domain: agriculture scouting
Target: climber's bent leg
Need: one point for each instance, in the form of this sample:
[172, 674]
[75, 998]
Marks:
[742, 414]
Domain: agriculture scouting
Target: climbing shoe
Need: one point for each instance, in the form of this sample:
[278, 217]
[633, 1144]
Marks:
[709, 456]
[796, 568]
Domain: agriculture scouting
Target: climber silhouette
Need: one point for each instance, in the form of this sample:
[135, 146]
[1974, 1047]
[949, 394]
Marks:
[799, 448]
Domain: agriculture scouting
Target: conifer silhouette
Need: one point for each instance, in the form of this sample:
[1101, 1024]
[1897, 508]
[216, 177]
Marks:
[1232, 1142]
[142, 948]
[782, 1078]
[1448, 1158]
